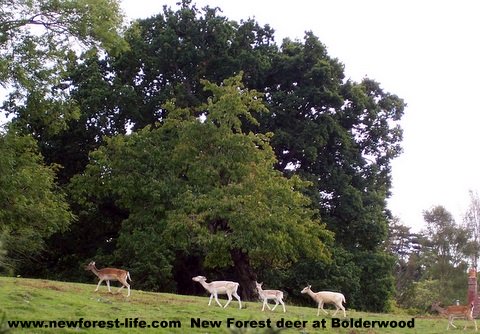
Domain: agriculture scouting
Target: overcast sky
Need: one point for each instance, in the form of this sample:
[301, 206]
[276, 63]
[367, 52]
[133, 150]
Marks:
[426, 52]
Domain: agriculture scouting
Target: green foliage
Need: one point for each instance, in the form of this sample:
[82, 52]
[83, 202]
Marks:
[432, 265]
[36, 43]
[3, 253]
[341, 274]
[31, 206]
[89, 22]
[405, 246]
[338, 135]
[425, 292]
[330, 132]
[38, 40]
[227, 107]
[171, 52]
[205, 186]
[99, 101]
[377, 281]
[444, 243]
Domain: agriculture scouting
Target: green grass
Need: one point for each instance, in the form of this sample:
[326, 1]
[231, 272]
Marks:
[29, 299]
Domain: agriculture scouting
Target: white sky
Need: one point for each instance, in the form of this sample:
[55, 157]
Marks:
[426, 52]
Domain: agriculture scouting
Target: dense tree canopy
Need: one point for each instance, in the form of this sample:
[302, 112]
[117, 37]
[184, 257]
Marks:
[204, 185]
[31, 206]
[37, 41]
[339, 135]
[195, 181]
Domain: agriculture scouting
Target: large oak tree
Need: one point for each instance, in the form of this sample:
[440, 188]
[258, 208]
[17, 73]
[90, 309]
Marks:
[201, 187]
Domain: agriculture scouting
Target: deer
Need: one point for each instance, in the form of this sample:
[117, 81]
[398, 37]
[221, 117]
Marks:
[110, 274]
[265, 295]
[326, 297]
[456, 312]
[220, 288]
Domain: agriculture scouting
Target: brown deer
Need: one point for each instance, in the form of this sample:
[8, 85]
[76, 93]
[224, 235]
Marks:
[456, 312]
[110, 274]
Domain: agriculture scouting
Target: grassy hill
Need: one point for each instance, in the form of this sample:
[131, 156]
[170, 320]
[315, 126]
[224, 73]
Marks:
[37, 300]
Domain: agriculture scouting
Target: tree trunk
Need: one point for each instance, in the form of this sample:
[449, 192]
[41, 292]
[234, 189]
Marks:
[244, 274]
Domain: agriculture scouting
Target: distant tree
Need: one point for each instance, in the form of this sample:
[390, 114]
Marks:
[402, 242]
[32, 208]
[441, 258]
[425, 292]
[472, 224]
[204, 188]
[445, 242]
[405, 246]
[407, 274]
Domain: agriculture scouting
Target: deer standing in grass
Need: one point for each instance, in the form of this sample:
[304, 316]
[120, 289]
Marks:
[220, 288]
[265, 295]
[456, 312]
[326, 297]
[110, 274]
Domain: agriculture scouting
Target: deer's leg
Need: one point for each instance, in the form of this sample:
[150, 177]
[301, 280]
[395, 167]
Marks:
[344, 313]
[229, 295]
[334, 313]
[264, 304]
[320, 306]
[98, 285]
[216, 299]
[283, 304]
[235, 294]
[210, 300]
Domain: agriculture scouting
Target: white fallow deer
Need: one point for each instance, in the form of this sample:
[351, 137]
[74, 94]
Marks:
[326, 297]
[220, 288]
[456, 312]
[110, 274]
[265, 295]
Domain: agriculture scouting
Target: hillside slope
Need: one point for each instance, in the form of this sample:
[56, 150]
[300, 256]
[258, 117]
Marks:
[63, 305]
